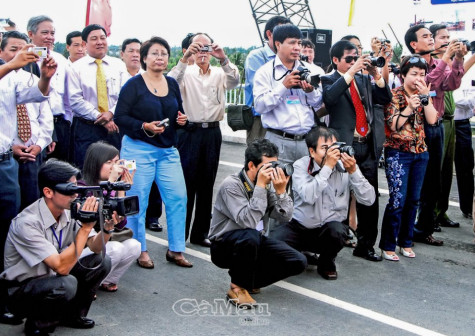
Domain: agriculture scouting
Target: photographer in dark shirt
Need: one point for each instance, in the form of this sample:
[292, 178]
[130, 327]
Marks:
[46, 283]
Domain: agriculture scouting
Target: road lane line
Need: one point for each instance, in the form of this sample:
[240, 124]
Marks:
[412, 328]
[382, 191]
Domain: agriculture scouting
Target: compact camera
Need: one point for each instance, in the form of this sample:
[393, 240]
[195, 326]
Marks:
[424, 99]
[165, 123]
[286, 167]
[344, 148]
[129, 164]
[42, 52]
[304, 75]
[125, 206]
[207, 48]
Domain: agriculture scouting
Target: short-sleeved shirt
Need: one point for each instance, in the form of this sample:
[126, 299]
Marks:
[31, 240]
[411, 137]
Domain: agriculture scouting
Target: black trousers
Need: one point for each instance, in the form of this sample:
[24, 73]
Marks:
[464, 164]
[199, 153]
[254, 260]
[9, 199]
[86, 133]
[62, 137]
[326, 240]
[367, 230]
[431, 187]
[154, 209]
[28, 180]
[45, 300]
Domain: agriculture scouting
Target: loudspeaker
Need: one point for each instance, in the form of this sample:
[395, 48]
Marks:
[322, 38]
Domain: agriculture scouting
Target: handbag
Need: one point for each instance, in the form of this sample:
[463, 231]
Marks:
[121, 235]
[240, 116]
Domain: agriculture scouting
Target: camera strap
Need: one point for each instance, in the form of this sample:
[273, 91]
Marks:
[247, 186]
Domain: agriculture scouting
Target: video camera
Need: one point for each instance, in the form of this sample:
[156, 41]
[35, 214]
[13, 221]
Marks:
[125, 206]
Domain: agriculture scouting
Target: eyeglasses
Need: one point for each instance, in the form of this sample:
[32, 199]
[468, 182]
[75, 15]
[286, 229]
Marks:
[415, 59]
[349, 59]
[157, 55]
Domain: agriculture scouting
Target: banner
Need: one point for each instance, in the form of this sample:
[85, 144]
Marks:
[99, 12]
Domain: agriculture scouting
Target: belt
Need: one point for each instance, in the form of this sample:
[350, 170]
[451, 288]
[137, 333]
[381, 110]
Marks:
[360, 139]
[6, 156]
[288, 135]
[86, 121]
[58, 117]
[437, 123]
[211, 124]
[462, 121]
[448, 117]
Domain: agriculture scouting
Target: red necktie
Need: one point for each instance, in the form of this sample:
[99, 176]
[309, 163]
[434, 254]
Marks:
[361, 122]
[24, 126]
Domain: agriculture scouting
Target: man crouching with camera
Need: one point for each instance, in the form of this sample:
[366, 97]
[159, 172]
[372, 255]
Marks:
[46, 283]
[244, 203]
[321, 184]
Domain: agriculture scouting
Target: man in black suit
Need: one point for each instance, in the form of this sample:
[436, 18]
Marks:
[349, 97]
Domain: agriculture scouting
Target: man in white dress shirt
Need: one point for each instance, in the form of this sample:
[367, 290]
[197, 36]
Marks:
[75, 46]
[93, 113]
[41, 32]
[13, 92]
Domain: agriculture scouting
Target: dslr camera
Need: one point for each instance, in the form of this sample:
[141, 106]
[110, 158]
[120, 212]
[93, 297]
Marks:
[470, 45]
[424, 99]
[377, 61]
[394, 68]
[304, 75]
[125, 206]
[286, 167]
[344, 148]
[303, 58]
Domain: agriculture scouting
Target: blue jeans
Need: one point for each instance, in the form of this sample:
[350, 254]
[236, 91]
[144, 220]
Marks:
[405, 173]
[163, 166]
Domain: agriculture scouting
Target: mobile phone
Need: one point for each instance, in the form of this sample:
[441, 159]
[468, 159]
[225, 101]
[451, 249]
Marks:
[130, 164]
[42, 52]
[164, 123]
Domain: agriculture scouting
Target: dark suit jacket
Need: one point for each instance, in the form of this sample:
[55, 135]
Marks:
[338, 103]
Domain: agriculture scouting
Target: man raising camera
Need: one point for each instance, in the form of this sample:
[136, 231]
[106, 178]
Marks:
[321, 198]
[244, 203]
[46, 282]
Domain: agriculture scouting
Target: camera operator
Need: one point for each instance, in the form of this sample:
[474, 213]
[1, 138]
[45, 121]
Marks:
[443, 75]
[244, 203]
[285, 101]
[321, 196]
[350, 98]
[46, 284]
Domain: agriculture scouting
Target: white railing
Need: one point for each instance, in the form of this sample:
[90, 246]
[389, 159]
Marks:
[232, 95]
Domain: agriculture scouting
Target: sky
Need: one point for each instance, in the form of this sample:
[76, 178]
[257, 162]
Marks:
[230, 22]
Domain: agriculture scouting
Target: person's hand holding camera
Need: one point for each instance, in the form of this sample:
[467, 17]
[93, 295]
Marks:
[194, 48]
[218, 53]
[90, 205]
[349, 162]
[279, 180]
[23, 57]
[332, 156]
[264, 175]
[360, 64]
[292, 80]
[306, 87]
[153, 127]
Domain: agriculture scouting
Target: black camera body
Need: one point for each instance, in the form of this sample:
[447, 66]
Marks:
[377, 61]
[470, 45]
[125, 206]
[303, 58]
[286, 167]
[394, 68]
[344, 148]
[384, 41]
[424, 99]
[305, 75]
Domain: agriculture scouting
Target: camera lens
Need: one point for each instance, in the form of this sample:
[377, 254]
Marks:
[286, 167]
[424, 99]
[377, 61]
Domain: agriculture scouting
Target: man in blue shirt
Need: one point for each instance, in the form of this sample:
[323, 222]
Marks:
[254, 60]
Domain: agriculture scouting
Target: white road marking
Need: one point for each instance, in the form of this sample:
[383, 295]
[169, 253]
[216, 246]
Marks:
[391, 321]
[382, 191]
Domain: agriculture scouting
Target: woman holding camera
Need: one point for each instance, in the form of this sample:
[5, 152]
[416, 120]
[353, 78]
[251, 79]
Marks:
[406, 156]
[149, 111]
[101, 163]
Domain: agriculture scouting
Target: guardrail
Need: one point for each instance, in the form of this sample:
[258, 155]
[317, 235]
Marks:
[232, 95]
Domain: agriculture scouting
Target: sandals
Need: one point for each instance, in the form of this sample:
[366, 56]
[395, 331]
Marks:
[112, 287]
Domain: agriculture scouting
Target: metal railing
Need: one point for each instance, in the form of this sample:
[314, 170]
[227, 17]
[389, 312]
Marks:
[232, 95]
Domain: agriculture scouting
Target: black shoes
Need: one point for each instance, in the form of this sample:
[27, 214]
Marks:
[312, 258]
[80, 323]
[429, 240]
[205, 242]
[367, 254]
[36, 328]
[8, 318]
[467, 215]
[447, 222]
[153, 224]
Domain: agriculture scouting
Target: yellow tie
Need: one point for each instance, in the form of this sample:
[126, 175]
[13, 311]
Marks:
[102, 101]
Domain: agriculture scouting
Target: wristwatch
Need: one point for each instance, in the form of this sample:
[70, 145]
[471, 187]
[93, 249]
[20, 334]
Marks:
[281, 196]
[107, 231]
[226, 61]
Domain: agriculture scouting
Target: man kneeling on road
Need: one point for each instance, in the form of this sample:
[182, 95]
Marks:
[46, 282]
[244, 203]
[321, 189]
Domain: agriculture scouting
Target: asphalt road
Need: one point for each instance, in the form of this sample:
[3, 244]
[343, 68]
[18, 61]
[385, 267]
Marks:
[432, 294]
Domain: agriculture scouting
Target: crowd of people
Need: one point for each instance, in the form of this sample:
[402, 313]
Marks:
[310, 175]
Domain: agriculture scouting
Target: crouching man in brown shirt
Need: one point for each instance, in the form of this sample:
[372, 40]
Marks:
[244, 203]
